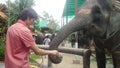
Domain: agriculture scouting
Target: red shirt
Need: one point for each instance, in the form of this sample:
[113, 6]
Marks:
[19, 40]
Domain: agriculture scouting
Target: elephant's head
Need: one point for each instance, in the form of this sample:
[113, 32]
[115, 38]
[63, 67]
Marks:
[92, 16]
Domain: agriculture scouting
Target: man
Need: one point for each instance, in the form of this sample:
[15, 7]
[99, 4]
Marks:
[19, 41]
[47, 40]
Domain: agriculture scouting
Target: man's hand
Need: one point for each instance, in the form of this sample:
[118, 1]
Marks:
[54, 52]
[55, 56]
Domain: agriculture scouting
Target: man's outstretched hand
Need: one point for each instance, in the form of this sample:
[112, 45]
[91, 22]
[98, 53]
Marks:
[55, 56]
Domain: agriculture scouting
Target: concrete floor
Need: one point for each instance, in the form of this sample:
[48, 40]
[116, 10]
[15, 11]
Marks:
[68, 62]
[2, 66]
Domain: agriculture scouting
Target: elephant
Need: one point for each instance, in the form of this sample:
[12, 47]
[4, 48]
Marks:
[101, 20]
[84, 39]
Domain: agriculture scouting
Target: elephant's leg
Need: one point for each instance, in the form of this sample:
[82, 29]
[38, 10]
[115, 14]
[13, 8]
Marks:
[116, 59]
[101, 59]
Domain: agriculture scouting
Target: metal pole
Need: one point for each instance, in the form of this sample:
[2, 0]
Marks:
[66, 11]
[85, 53]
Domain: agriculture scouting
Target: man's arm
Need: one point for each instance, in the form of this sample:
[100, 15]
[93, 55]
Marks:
[39, 51]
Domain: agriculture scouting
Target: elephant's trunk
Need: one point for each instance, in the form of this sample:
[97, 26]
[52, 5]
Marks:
[78, 23]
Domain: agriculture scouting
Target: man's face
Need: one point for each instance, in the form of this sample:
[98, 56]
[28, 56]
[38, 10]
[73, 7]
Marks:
[31, 21]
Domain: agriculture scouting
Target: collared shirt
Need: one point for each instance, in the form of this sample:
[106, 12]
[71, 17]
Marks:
[18, 42]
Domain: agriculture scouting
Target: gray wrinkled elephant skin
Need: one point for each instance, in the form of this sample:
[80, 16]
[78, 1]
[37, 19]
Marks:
[101, 19]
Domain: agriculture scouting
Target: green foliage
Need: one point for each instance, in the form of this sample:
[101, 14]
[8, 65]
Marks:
[3, 26]
[70, 36]
[52, 25]
[2, 46]
[34, 57]
[15, 8]
[2, 52]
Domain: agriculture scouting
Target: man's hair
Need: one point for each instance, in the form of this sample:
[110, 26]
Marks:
[28, 13]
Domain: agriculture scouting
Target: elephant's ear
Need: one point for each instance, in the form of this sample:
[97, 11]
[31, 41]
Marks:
[106, 5]
[97, 15]
[99, 21]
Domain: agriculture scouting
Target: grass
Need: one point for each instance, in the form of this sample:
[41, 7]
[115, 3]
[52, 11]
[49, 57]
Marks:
[33, 62]
[34, 57]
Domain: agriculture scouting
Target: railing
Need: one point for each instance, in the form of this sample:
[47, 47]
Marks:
[85, 53]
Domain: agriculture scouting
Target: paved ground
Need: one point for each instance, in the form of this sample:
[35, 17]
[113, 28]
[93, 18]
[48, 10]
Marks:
[2, 66]
[68, 62]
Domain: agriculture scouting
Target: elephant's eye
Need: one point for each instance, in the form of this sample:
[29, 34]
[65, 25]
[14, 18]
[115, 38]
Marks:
[92, 26]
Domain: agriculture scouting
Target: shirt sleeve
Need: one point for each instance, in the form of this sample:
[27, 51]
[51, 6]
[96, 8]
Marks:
[27, 39]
